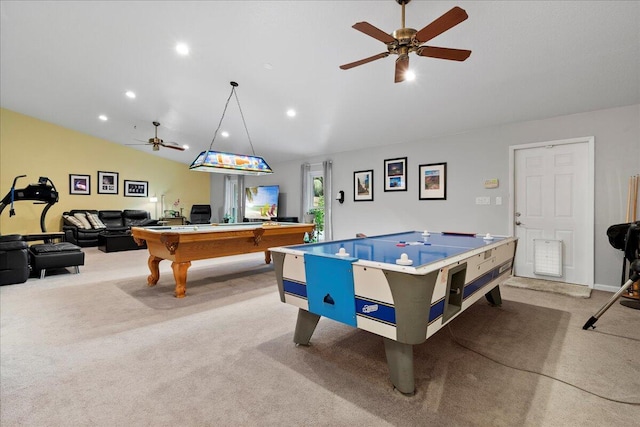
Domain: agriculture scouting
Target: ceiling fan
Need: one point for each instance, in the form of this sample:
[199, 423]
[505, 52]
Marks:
[157, 142]
[406, 40]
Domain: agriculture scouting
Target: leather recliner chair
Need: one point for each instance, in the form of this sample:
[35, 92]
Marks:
[14, 259]
[200, 214]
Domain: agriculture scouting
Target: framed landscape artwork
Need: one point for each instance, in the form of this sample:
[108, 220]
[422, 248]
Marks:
[433, 181]
[395, 174]
[79, 184]
[136, 188]
[107, 182]
[363, 186]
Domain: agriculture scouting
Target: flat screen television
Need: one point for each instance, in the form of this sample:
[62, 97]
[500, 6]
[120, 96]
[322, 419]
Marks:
[261, 202]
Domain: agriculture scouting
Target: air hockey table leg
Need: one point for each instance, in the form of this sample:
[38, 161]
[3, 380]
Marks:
[494, 297]
[305, 325]
[400, 361]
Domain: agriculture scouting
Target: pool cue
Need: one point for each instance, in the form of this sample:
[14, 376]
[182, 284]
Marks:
[635, 275]
[626, 219]
[635, 197]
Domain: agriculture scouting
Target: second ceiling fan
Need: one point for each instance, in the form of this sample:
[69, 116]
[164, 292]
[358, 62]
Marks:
[157, 142]
[406, 40]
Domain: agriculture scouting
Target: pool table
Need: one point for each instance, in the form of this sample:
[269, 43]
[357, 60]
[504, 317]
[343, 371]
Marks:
[183, 244]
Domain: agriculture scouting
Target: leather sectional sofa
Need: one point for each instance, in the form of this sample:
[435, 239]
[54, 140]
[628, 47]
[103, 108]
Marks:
[110, 221]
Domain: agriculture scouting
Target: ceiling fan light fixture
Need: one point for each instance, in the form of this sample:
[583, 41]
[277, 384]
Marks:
[230, 163]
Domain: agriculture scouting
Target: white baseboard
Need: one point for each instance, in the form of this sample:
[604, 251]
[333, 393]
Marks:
[606, 288]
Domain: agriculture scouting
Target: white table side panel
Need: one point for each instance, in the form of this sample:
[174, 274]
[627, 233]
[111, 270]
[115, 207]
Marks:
[293, 268]
[376, 327]
[371, 283]
[297, 301]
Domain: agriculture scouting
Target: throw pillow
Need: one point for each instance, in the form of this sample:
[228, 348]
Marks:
[83, 219]
[72, 221]
[95, 221]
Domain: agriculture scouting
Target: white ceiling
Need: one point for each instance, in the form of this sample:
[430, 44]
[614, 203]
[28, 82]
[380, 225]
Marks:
[67, 62]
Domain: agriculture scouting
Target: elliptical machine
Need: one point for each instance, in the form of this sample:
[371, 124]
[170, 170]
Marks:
[44, 192]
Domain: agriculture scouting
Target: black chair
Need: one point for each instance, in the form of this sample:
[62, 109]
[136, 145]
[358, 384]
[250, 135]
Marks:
[200, 214]
[14, 259]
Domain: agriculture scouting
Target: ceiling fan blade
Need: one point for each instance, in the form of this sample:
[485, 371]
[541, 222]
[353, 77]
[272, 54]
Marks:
[443, 53]
[442, 24]
[173, 145]
[364, 61]
[402, 65]
[374, 32]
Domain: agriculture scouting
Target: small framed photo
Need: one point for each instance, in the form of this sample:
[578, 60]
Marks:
[79, 184]
[107, 182]
[395, 174]
[363, 186]
[136, 188]
[433, 181]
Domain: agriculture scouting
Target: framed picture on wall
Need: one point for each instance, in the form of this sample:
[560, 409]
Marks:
[395, 174]
[79, 184]
[107, 182]
[432, 181]
[363, 186]
[136, 188]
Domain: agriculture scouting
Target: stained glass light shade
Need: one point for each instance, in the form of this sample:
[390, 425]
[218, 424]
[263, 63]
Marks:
[229, 163]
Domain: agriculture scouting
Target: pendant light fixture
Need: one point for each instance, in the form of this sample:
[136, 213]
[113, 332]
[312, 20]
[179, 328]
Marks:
[229, 163]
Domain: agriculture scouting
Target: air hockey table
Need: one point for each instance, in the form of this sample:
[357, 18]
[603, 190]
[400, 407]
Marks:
[403, 286]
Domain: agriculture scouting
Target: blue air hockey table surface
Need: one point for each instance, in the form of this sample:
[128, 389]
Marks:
[403, 286]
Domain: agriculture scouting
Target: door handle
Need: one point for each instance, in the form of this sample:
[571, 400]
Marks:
[519, 223]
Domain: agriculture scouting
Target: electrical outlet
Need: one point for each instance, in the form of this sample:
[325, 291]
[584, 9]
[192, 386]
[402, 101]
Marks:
[498, 200]
[483, 200]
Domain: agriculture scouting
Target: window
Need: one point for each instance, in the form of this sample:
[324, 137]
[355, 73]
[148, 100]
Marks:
[315, 202]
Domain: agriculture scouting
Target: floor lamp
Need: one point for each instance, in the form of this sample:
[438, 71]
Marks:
[154, 200]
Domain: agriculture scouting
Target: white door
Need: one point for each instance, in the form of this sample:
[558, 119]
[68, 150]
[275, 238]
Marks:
[553, 201]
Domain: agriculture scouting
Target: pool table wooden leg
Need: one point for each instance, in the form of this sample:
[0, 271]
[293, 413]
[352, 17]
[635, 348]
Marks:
[180, 275]
[267, 257]
[154, 268]
[305, 326]
[400, 361]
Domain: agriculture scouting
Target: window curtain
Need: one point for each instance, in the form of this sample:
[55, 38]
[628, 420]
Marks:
[327, 167]
[241, 199]
[304, 199]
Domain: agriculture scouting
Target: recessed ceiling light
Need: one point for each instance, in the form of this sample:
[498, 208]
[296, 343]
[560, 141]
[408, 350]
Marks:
[103, 117]
[291, 112]
[225, 134]
[182, 49]
[410, 75]
[130, 94]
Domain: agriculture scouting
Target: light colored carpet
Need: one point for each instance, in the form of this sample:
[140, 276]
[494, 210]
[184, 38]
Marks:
[102, 349]
[563, 288]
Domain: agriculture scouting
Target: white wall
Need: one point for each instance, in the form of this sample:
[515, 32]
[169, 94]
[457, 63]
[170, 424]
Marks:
[472, 158]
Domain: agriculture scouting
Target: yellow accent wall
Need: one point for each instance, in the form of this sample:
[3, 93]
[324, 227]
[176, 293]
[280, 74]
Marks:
[35, 148]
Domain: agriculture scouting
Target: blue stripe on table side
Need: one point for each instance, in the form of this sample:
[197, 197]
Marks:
[295, 288]
[387, 314]
[376, 311]
[436, 310]
[483, 280]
